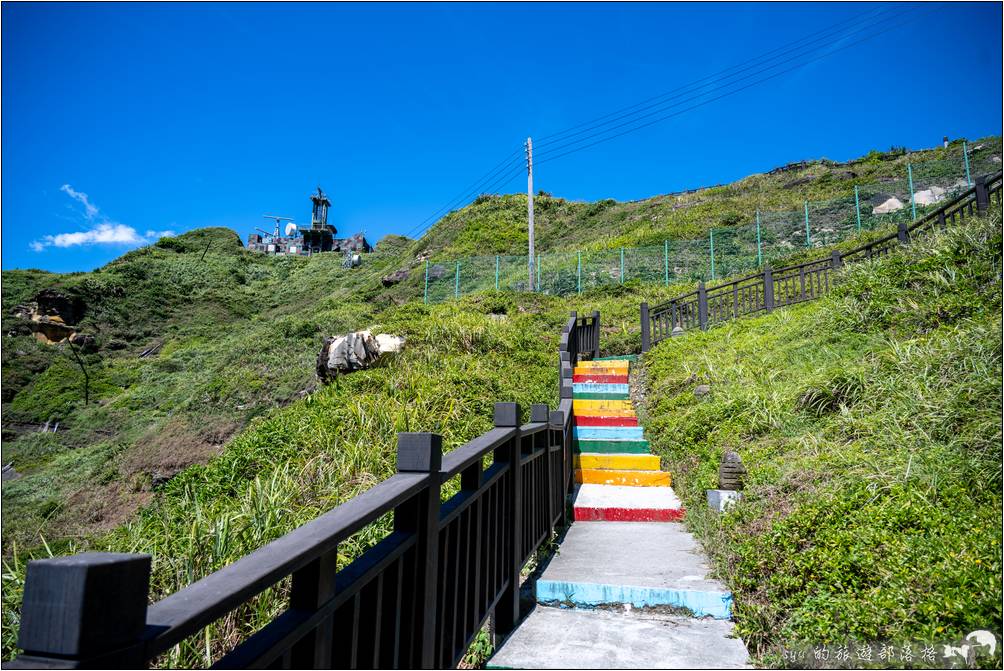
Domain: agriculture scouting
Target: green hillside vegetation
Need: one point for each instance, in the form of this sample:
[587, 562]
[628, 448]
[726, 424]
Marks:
[220, 439]
[870, 423]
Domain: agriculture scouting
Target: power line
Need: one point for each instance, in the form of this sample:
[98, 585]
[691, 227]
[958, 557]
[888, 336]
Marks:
[664, 106]
[553, 137]
[719, 97]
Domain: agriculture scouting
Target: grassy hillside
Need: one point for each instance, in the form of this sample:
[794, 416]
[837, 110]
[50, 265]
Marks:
[870, 423]
[220, 439]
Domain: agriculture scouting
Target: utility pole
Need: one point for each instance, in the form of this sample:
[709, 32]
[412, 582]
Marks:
[529, 205]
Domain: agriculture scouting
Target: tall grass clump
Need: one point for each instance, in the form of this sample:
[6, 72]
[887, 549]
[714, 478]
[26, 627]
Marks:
[870, 423]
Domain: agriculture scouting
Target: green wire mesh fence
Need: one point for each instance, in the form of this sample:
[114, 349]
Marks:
[724, 251]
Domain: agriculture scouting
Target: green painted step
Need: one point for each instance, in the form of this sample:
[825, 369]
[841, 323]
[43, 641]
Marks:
[600, 396]
[623, 357]
[612, 446]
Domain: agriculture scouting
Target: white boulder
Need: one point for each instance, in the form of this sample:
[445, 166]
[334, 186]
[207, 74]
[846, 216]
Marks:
[929, 196]
[354, 351]
[890, 205]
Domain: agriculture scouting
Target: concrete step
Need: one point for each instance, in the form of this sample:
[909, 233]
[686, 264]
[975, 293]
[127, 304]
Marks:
[600, 388]
[630, 462]
[594, 503]
[611, 447]
[590, 420]
[562, 638]
[606, 408]
[637, 563]
[609, 433]
[599, 379]
[623, 478]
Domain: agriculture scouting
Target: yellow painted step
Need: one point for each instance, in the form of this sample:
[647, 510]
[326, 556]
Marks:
[602, 408]
[602, 364]
[599, 371]
[605, 365]
[621, 462]
[590, 476]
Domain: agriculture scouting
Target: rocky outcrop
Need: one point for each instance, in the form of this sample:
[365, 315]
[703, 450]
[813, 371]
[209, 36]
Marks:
[52, 315]
[889, 205]
[354, 351]
[929, 196]
[394, 277]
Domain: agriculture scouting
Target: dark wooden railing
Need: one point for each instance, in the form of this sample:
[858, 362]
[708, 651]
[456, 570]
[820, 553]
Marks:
[415, 599]
[774, 288]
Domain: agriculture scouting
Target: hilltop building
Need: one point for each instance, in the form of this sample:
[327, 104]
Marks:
[304, 241]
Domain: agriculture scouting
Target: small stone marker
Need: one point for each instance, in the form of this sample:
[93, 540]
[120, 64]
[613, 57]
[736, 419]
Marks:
[702, 390]
[730, 482]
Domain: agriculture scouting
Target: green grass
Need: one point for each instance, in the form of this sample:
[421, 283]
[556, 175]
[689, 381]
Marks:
[870, 425]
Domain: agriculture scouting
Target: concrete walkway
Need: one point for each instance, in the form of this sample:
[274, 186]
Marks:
[628, 586]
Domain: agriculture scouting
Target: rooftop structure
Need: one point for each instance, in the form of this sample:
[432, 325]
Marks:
[304, 241]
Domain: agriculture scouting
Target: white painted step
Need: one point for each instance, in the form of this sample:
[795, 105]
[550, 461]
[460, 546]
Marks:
[556, 638]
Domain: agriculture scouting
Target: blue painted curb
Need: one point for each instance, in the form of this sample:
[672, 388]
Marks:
[715, 604]
[609, 432]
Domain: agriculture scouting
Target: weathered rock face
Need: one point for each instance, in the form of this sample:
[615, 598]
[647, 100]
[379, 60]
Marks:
[394, 277]
[52, 314]
[702, 390]
[354, 351]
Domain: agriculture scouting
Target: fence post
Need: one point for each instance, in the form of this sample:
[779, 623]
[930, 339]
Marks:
[578, 274]
[902, 234]
[557, 422]
[712, 238]
[645, 334]
[426, 299]
[84, 610]
[982, 195]
[622, 265]
[808, 236]
[538, 272]
[419, 515]
[965, 157]
[759, 247]
[507, 610]
[857, 207]
[768, 289]
[702, 306]
[496, 272]
[665, 260]
[456, 282]
[835, 260]
[539, 412]
[596, 334]
[913, 203]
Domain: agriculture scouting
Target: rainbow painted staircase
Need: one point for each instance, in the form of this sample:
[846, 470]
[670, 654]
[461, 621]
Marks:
[628, 586]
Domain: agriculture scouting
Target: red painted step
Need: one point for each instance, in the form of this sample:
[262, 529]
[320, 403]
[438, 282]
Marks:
[586, 420]
[598, 379]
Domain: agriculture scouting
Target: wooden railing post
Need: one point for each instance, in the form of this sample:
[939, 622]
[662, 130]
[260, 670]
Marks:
[902, 234]
[645, 325]
[539, 412]
[835, 260]
[311, 587]
[422, 453]
[982, 195]
[557, 422]
[506, 615]
[596, 334]
[84, 611]
[702, 306]
[768, 289]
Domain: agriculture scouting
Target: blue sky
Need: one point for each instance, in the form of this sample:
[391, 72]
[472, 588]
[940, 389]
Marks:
[123, 121]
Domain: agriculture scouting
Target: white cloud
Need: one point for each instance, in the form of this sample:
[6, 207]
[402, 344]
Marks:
[90, 211]
[105, 232]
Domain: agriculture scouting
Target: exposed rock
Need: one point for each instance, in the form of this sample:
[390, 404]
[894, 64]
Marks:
[354, 351]
[55, 304]
[437, 271]
[9, 473]
[116, 344]
[929, 196]
[890, 205]
[799, 182]
[702, 390]
[394, 277]
[83, 341]
[995, 159]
